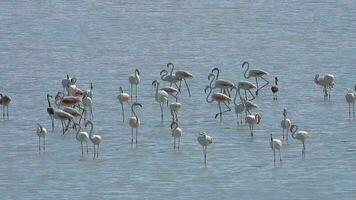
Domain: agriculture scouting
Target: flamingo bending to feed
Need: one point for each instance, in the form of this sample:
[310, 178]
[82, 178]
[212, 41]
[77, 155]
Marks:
[95, 139]
[63, 116]
[246, 86]
[276, 144]
[81, 137]
[50, 110]
[176, 134]
[175, 107]
[134, 80]
[161, 96]
[275, 89]
[252, 120]
[256, 73]
[5, 102]
[204, 140]
[134, 121]
[300, 135]
[181, 75]
[123, 97]
[285, 123]
[350, 99]
[41, 133]
[224, 85]
[327, 82]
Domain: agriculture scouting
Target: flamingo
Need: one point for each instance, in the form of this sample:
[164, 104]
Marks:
[171, 91]
[176, 134]
[172, 79]
[67, 82]
[239, 107]
[95, 139]
[41, 133]
[300, 135]
[5, 101]
[134, 121]
[161, 96]
[63, 116]
[87, 106]
[75, 113]
[256, 73]
[123, 97]
[75, 91]
[350, 99]
[50, 110]
[218, 97]
[246, 86]
[276, 144]
[134, 80]
[89, 92]
[81, 137]
[275, 89]
[252, 120]
[285, 123]
[181, 75]
[60, 99]
[204, 140]
[175, 107]
[327, 82]
[224, 85]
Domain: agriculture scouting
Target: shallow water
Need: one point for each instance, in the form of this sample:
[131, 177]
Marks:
[103, 42]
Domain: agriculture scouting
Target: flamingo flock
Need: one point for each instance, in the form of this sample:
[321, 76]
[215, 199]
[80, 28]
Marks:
[73, 106]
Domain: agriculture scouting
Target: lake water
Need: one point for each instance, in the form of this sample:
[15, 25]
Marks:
[104, 41]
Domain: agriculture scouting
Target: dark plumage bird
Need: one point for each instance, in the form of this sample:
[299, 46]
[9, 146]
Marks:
[5, 101]
[274, 88]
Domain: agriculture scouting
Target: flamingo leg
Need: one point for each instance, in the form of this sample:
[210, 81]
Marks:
[97, 152]
[94, 152]
[245, 95]
[353, 109]
[174, 143]
[132, 136]
[349, 110]
[136, 93]
[257, 86]
[136, 134]
[180, 86]
[228, 93]
[267, 82]
[178, 143]
[161, 106]
[44, 143]
[123, 112]
[219, 113]
[274, 154]
[52, 123]
[253, 96]
[279, 152]
[186, 84]
[204, 150]
[86, 144]
[287, 133]
[81, 145]
[39, 144]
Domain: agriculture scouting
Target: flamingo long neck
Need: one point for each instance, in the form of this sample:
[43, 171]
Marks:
[293, 133]
[248, 67]
[91, 130]
[212, 80]
[235, 96]
[137, 73]
[121, 90]
[171, 64]
[49, 102]
[77, 134]
[134, 112]
[164, 74]
[207, 97]
[157, 85]
[175, 126]
[217, 72]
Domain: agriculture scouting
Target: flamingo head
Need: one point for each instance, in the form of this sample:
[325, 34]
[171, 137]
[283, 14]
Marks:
[276, 80]
[271, 138]
[170, 64]
[293, 128]
[121, 90]
[163, 71]
[284, 112]
[137, 72]
[49, 96]
[136, 104]
[155, 83]
[245, 63]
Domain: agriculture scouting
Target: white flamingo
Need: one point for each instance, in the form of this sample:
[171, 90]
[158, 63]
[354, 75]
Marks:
[256, 73]
[161, 96]
[50, 110]
[176, 134]
[63, 116]
[285, 124]
[181, 75]
[123, 97]
[171, 91]
[134, 80]
[89, 92]
[300, 135]
[134, 121]
[95, 139]
[82, 137]
[327, 82]
[204, 140]
[239, 107]
[246, 86]
[217, 97]
[5, 102]
[276, 144]
[74, 112]
[75, 91]
[68, 82]
[41, 133]
[87, 107]
[350, 99]
[175, 107]
[252, 120]
[224, 85]
[275, 88]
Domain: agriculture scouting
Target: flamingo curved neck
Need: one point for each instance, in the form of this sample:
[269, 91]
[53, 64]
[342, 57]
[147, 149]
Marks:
[163, 74]
[236, 95]
[77, 134]
[248, 67]
[171, 64]
[91, 130]
[295, 131]
[49, 102]
[207, 97]
[157, 85]
[212, 80]
[134, 112]
[121, 90]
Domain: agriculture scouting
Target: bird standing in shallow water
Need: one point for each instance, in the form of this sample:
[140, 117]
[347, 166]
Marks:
[300, 135]
[276, 144]
[81, 137]
[134, 80]
[252, 120]
[41, 133]
[134, 121]
[181, 75]
[285, 124]
[256, 73]
[5, 101]
[161, 96]
[275, 89]
[176, 134]
[95, 139]
[327, 82]
[123, 97]
[204, 140]
[350, 99]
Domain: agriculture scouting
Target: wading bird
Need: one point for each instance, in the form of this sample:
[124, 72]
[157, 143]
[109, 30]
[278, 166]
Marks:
[246, 86]
[256, 73]
[275, 89]
[81, 137]
[172, 79]
[41, 133]
[350, 99]
[285, 124]
[181, 75]
[276, 144]
[5, 101]
[134, 121]
[204, 140]
[95, 139]
[175, 107]
[252, 120]
[176, 134]
[225, 86]
[161, 96]
[327, 82]
[123, 97]
[63, 116]
[134, 80]
[299, 135]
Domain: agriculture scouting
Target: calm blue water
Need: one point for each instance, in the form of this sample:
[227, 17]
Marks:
[104, 41]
